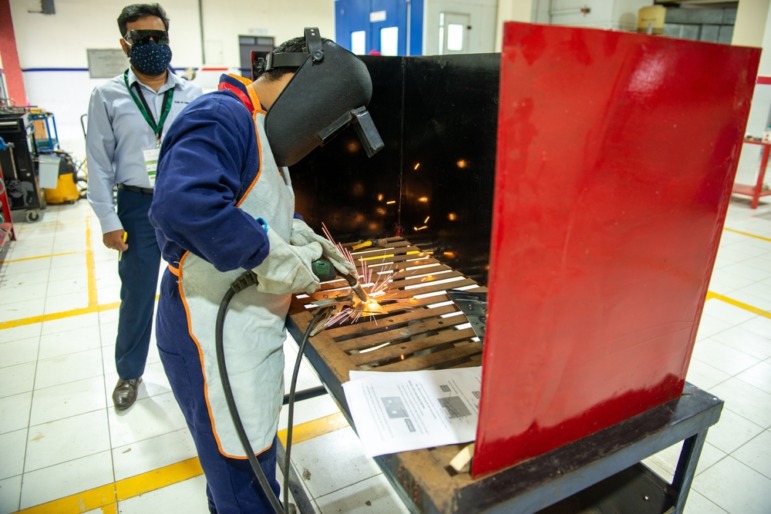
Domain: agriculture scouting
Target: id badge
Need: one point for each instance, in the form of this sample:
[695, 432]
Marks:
[151, 163]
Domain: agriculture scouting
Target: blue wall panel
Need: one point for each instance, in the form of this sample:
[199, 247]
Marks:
[354, 15]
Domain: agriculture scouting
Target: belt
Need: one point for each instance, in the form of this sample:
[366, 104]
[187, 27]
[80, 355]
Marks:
[135, 189]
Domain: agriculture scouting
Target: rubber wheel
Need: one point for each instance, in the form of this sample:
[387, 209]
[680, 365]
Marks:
[32, 216]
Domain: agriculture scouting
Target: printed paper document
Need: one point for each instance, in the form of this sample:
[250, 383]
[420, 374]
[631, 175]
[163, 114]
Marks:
[400, 411]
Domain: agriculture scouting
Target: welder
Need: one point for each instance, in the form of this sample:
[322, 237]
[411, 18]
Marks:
[224, 204]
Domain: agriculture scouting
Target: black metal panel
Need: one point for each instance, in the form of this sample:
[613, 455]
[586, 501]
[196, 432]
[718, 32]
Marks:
[433, 182]
[451, 120]
[338, 185]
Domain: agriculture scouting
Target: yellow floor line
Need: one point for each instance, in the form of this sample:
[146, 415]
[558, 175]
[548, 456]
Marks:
[315, 428]
[737, 303]
[110, 509]
[58, 315]
[106, 497]
[82, 502]
[38, 257]
[90, 268]
[748, 234]
[158, 478]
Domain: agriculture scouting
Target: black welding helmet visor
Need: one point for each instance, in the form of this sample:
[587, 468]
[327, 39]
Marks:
[329, 91]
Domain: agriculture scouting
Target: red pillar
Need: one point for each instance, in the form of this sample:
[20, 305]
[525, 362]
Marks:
[10, 57]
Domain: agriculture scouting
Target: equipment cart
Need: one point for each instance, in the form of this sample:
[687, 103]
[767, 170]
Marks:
[18, 165]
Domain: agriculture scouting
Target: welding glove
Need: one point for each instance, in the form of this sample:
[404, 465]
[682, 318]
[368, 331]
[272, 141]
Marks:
[287, 268]
[302, 235]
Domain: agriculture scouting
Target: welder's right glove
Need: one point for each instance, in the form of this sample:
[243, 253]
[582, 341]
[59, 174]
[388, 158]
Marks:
[287, 268]
[302, 234]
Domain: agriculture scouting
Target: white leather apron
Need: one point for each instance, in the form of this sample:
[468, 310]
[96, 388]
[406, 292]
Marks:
[254, 330]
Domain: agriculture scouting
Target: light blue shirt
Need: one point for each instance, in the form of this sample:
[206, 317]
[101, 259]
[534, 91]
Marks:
[118, 134]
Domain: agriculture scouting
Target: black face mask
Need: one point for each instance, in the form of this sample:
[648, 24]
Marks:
[150, 58]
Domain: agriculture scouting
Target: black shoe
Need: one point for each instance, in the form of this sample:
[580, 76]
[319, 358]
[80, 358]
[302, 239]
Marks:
[125, 393]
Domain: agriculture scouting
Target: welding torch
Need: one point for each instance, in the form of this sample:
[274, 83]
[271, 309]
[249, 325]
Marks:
[325, 271]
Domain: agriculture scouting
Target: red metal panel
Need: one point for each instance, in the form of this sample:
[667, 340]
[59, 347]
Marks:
[616, 156]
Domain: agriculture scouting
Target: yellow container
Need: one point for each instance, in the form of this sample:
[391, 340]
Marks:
[66, 190]
[650, 20]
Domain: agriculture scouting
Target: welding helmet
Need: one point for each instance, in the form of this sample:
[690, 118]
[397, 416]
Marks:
[328, 92]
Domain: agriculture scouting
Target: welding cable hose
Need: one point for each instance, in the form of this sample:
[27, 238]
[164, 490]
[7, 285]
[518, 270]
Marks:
[249, 279]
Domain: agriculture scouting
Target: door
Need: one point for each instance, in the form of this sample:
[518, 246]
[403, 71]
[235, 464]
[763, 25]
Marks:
[261, 45]
[380, 27]
[454, 30]
[455, 26]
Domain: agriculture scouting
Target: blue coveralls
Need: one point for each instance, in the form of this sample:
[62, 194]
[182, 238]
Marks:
[215, 176]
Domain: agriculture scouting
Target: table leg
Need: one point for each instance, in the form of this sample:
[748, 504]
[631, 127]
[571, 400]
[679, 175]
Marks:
[686, 468]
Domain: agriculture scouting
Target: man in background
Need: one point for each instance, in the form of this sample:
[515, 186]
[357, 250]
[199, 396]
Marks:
[127, 119]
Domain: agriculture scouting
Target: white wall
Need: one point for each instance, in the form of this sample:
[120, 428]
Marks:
[605, 14]
[58, 42]
[512, 10]
[483, 16]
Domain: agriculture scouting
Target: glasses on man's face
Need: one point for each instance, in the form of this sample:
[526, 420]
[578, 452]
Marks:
[139, 37]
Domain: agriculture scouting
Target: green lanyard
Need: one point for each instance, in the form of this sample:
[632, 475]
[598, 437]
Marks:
[145, 109]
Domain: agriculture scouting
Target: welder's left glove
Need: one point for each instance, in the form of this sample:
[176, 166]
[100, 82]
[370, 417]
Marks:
[302, 235]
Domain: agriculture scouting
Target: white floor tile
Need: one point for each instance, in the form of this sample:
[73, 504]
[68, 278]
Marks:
[726, 282]
[22, 293]
[23, 309]
[17, 379]
[68, 368]
[19, 351]
[722, 357]
[33, 249]
[108, 331]
[704, 376]
[66, 302]
[698, 504]
[323, 475]
[710, 326]
[9, 335]
[69, 341]
[746, 400]
[188, 497]
[758, 325]
[757, 454]
[68, 478]
[70, 323]
[746, 341]
[758, 375]
[14, 412]
[309, 410]
[64, 260]
[66, 439]
[68, 399]
[745, 271]
[20, 279]
[10, 493]
[65, 286]
[732, 431]
[12, 446]
[148, 417]
[371, 496]
[735, 487]
[726, 311]
[153, 453]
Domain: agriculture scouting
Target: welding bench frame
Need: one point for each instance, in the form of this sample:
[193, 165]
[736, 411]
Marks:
[601, 472]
